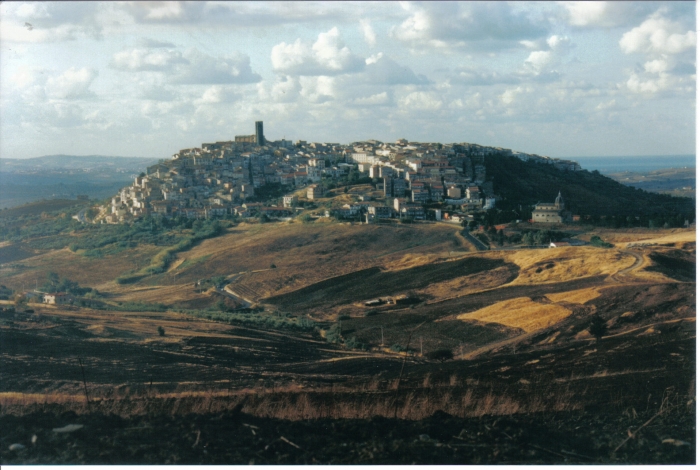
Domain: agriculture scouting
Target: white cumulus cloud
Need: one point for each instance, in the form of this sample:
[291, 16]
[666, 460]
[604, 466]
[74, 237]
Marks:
[480, 25]
[421, 101]
[206, 69]
[139, 60]
[669, 48]
[327, 56]
[71, 84]
[368, 33]
[658, 35]
[374, 100]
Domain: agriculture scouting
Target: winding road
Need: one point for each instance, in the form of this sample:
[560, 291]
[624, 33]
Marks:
[639, 260]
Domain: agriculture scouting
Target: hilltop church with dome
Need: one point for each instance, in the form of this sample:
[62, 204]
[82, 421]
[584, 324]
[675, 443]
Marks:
[551, 213]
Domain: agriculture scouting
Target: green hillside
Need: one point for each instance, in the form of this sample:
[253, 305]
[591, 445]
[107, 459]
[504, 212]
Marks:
[585, 193]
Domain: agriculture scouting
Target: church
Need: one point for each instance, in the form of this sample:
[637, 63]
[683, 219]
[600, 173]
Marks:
[551, 213]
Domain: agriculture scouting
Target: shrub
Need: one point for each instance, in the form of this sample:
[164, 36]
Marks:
[333, 335]
[597, 241]
[353, 343]
[161, 331]
[598, 328]
[441, 355]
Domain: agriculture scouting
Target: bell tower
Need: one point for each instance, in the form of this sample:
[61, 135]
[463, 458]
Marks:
[559, 202]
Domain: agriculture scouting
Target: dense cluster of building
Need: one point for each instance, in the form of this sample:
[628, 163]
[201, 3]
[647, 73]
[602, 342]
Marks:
[221, 178]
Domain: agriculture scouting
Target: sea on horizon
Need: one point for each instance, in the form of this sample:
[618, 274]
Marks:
[635, 163]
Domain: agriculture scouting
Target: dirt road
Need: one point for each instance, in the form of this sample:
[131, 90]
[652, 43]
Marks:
[623, 276]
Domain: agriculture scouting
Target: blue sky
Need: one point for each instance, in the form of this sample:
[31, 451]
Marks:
[148, 78]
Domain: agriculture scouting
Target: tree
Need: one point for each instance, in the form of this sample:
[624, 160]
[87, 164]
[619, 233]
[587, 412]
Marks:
[21, 300]
[161, 331]
[597, 328]
[53, 278]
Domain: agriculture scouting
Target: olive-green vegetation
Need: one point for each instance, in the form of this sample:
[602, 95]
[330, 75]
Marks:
[58, 230]
[201, 230]
[258, 319]
[597, 241]
[523, 184]
[55, 283]
[542, 237]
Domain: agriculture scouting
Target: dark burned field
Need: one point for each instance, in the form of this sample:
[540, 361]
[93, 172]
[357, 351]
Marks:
[292, 398]
[210, 392]
[372, 282]
[594, 397]
[234, 438]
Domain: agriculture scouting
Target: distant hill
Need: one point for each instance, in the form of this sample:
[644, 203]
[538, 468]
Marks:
[75, 162]
[584, 192]
[673, 181]
[65, 176]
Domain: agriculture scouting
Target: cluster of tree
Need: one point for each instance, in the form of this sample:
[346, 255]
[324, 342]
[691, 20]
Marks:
[542, 237]
[523, 184]
[49, 228]
[597, 241]
[201, 230]
[5, 292]
[668, 220]
[269, 192]
[56, 283]
[355, 177]
[216, 281]
[258, 319]
[498, 237]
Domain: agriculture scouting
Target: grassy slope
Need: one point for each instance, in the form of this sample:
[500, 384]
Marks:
[308, 253]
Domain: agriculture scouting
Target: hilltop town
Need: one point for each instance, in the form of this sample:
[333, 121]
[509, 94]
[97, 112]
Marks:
[411, 180]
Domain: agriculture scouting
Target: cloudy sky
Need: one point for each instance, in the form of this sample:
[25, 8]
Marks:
[148, 78]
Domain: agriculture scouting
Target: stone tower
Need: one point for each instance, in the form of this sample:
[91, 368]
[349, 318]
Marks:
[259, 136]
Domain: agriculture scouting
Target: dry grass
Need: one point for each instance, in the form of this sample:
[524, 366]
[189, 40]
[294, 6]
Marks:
[465, 285]
[630, 235]
[138, 326]
[565, 264]
[580, 296]
[93, 272]
[168, 294]
[677, 237]
[294, 404]
[521, 313]
[307, 253]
